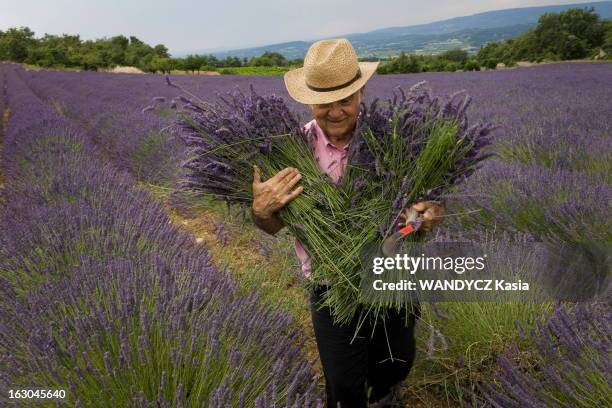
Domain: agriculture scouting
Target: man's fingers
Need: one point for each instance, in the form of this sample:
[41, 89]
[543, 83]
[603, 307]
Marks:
[429, 207]
[291, 196]
[256, 175]
[419, 207]
[432, 217]
[293, 181]
[429, 214]
[283, 174]
[435, 212]
[403, 216]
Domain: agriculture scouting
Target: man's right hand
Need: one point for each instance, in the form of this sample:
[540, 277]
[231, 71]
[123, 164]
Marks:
[273, 194]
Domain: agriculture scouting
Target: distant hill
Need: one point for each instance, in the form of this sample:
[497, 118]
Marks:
[468, 32]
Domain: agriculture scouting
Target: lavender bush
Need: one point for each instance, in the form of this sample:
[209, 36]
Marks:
[131, 139]
[102, 296]
[2, 103]
[565, 144]
[549, 204]
[572, 363]
[153, 332]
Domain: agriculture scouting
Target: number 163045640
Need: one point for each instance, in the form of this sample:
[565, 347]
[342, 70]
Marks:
[37, 393]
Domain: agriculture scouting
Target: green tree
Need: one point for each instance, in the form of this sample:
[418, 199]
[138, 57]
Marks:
[402, 64]
[230, 62]
[472, 65]
[118, 46]
[15, 43]
[574, 33]
[138, 54]
[161, 51]
[606, 46]
[573, 48]
[160, 64]
[569, 34]
[269, 59]
[55, 51]
[194, 62]
[92, 61]
[456, 55]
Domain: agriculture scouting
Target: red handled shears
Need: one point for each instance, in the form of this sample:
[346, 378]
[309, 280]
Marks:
[413, 223]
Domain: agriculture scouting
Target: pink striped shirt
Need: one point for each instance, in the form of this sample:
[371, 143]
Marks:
[332, 160]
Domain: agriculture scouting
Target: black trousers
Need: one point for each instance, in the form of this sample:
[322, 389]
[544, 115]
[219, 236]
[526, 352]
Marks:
[362, 371]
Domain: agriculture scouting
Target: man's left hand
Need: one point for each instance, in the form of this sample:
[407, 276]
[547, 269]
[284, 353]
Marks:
[430, 211]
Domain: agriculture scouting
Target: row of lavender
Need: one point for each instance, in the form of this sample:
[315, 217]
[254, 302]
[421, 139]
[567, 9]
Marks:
[550, 181]
[2, 107]
[555, 151]
[112, 111]
[102, 296]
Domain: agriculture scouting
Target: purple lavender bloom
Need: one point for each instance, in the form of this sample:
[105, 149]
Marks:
[245, 122]
[103, 293]
[572, 364]
[550, 204]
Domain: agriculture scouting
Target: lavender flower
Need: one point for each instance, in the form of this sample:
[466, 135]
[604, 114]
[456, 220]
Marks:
[106, 295]
[572, 364]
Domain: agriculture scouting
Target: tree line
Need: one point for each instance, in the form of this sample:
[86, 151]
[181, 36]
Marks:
[70, 51]
[571, 34]
[451, 60]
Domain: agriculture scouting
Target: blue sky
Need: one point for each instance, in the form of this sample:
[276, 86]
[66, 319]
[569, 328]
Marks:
[187, 25]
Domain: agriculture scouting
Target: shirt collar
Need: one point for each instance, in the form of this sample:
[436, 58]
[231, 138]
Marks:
[328, 143]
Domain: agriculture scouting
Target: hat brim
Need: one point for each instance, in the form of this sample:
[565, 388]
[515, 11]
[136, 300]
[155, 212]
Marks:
[298, 90]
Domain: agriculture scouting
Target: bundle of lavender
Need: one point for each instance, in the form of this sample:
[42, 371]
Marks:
[412, 148]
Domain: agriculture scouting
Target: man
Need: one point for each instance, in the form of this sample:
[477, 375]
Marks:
[332, 83]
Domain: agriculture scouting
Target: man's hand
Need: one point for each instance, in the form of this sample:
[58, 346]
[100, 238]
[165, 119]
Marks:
[273, 194]
[431, 212]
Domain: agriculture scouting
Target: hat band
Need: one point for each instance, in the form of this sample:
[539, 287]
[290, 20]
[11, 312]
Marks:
[335, 88]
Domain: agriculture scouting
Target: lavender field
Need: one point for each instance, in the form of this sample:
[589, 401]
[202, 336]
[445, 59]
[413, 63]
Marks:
[123, 292]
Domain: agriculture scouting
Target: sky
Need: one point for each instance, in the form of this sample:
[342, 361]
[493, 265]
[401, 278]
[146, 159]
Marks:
[210, 25]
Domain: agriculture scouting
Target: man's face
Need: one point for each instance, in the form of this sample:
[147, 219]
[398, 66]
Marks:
[338, 119]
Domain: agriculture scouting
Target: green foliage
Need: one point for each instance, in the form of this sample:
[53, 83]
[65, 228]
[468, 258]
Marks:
[456, 55]
[451, 60]
[70, 52]
[471, 65]
[161, 51]
[607, 42]
[15, 43]
[269, 59]
[477, 332]
[403, 64]
[257, 70]
[192, 63]
[161, 64]
[572, 34]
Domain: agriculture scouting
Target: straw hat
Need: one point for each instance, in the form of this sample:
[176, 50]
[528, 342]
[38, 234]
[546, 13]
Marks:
[331, 72]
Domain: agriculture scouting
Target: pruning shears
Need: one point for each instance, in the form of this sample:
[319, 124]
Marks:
[414, 220]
